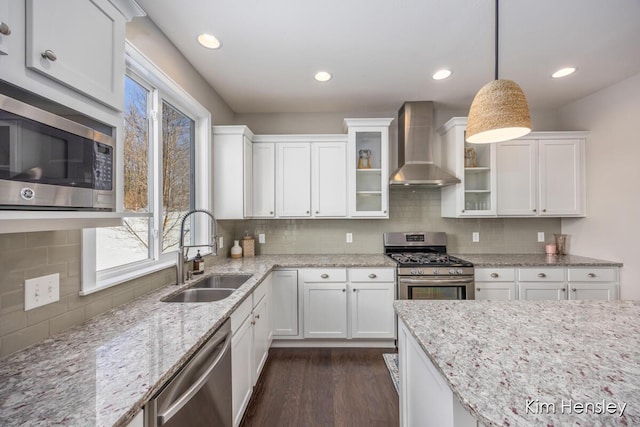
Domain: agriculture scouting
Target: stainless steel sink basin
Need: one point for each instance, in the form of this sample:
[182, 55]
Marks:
[228, 281]
[199, 295]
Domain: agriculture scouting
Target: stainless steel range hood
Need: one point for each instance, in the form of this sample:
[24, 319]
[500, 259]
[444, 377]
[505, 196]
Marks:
[415, 148]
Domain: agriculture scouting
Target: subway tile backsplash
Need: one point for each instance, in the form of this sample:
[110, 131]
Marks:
[28, 255]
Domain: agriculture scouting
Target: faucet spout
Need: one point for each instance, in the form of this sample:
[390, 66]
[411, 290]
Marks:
[181, 246]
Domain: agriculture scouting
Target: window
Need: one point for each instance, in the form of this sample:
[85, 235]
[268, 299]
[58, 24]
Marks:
[164, 172]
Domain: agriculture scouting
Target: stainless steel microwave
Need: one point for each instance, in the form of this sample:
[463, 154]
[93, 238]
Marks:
[48, 162]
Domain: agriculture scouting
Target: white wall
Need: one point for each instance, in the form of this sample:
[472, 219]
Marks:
[611, 229]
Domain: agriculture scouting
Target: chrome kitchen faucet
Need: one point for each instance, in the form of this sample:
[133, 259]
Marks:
[181, 255]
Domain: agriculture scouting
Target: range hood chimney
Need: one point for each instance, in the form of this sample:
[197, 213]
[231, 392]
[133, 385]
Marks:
[415, 148]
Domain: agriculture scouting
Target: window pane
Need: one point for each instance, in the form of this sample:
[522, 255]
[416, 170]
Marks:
[178, 133]
[130, 242]
[122, 245]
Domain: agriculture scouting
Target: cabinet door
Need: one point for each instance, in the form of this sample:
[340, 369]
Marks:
[516, 177]
[371, 308]
[7, 27]
[264, 180]
[325, 310]
[294, 179]
[261, 333]
[84, 40]
[593, 291]
[241, 369]
[329, 179]
[561, 178]
[542, 291]
[285, 303]
[497, 291]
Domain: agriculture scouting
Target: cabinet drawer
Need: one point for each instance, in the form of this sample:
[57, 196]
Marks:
[241, 313]
[592, 275]
[372, 274]
[541, 274]
[324, 275]
[495, 274]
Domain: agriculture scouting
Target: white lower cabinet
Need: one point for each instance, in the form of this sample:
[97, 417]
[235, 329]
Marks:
[284, 316]
[495, 284]
[137, 421]
[360, 307]
[587, 283]
[425, 396]
[250, 342]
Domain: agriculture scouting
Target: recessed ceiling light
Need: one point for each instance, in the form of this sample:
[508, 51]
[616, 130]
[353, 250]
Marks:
[322, 76]
[563, 72]
[209, 41]
[441, 74]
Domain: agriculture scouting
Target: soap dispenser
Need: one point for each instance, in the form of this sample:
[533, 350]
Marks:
[198, 264]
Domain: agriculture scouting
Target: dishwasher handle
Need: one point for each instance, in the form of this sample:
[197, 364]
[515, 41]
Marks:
[164, 417]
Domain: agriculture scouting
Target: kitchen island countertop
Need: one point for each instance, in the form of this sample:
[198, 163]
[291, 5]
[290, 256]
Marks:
[101, 373]
[529, 363]
[535, 260]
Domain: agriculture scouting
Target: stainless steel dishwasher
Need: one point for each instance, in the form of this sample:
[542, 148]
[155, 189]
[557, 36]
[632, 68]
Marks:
[200, 393]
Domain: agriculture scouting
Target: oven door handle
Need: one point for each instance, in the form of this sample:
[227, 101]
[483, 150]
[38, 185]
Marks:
[448, 280]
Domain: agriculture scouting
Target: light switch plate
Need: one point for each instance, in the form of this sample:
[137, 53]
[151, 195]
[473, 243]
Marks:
[349, 237]
[540, 236]
[475, 236]
[261, 238]
[41, 291]
[220, 242]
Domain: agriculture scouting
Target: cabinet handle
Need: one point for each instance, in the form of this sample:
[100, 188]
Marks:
[324, 275]
[494, 275]
[48, 54]
[574, 290]
[257, 316]
[478, 289]
[592, 275]
[542, 275]
[253, 322]
[372, 276]
[4, 29]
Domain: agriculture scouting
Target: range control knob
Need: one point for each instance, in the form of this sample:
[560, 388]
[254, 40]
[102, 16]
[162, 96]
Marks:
[452, 271]
[459, 271]
[413, 272]
[436, 271]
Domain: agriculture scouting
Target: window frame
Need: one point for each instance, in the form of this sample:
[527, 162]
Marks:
[163, 88]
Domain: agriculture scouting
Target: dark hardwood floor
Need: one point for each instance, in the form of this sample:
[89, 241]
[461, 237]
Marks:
[347, 387]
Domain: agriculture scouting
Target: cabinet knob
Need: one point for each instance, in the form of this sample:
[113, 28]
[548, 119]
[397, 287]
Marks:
[462, 211]
[253, 322]
[307, 212]
[542, 275]
[544, 210]
[574, 289]
[592, 275]
[4, 29]
[372, 276]
[271, 213]
[354, 290]
[478, 289]
[48, 54]
[494, 275]
[317, 212]
[385, 212]
[344, 290]
[562, 289]
[324, 275]
[257, 316]
[535, 210]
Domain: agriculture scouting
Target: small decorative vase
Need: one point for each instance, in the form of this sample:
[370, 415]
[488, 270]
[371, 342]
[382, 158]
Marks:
[561, 244]
[236, 250]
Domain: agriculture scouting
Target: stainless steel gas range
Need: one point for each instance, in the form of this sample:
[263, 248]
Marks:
[425, 270]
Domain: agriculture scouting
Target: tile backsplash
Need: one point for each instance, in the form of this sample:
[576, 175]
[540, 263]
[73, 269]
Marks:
[411, 209]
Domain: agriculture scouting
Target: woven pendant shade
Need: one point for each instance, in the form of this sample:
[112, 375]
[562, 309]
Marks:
[499, 112]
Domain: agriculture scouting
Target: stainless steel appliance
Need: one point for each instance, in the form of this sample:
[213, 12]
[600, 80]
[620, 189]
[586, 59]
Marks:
[49, 162]
[425, 270]
[200, 393]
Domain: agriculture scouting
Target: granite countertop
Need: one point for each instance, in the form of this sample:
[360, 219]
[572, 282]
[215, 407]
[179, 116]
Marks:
[505, 359]
[535, 260]
[103, 372]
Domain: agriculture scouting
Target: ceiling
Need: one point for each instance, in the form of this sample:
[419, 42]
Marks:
[384, 52]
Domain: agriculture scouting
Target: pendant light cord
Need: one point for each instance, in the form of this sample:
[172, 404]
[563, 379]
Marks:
[496, 64]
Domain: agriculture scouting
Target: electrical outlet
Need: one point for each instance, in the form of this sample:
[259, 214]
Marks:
[41, 291]
[349, 237]
[540, 236]
[475, 236]
[261, 238]
[220, 242]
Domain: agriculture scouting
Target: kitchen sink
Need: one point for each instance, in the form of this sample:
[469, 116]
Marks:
[228, 281]
[199, 295]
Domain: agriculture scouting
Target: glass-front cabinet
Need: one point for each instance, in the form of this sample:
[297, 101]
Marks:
[474, 164]
[368, 167]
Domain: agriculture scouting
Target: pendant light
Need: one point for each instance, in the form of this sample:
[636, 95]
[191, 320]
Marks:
[499, 111]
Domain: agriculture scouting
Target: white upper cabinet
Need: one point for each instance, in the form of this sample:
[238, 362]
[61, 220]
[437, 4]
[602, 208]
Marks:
[6, 28]
[368, 167]
[475, 166]
[79, 44]
[293, 179]
[329, 179]
[541, 175]
[264, 180]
